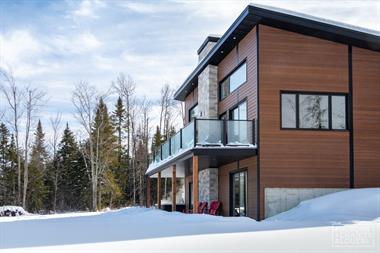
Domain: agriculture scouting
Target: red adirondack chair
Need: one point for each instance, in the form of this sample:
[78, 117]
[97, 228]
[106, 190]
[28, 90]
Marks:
[202, 208]
[215, 207]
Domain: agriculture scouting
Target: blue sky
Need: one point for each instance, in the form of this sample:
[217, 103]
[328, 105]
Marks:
[56, 44]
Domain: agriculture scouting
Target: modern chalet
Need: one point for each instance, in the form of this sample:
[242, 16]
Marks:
[282, 108]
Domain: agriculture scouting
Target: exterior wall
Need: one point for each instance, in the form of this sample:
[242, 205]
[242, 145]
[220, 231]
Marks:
[208, 93]
[206, 50]
[366, 118]
[224, 185]
[299, 158]
[278, 200]
[208, 185]
[190, 101]
[246, 49]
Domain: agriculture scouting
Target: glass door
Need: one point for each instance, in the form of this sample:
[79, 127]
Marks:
[239, 194]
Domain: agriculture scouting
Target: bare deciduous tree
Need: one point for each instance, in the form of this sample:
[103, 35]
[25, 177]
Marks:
[33, 100]
[56, 126]
[125, 87]
[85, 98]
[13, 96]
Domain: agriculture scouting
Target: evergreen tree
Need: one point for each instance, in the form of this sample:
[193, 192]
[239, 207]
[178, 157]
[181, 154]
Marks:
[73, 181]
[120, 170]
[118, 119]
[8, 167]
[105, 147]
[37, 169]
[4, 146]
[157, 139]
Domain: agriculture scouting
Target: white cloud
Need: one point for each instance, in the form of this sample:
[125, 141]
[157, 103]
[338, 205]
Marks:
[77, 44]
[88, 8]
[18, 45]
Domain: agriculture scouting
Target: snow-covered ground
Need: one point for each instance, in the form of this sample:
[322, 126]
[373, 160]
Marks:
[346, 221]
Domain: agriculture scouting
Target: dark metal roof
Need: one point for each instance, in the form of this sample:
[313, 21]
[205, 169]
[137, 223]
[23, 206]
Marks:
[210, 38]
[283, 19]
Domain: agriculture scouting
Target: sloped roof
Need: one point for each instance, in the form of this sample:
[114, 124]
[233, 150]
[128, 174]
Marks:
[284, 19]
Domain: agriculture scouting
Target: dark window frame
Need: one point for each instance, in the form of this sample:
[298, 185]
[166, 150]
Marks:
[231, 204]
[316, 93]
[244, 61]
[189, 110]
[234, 107]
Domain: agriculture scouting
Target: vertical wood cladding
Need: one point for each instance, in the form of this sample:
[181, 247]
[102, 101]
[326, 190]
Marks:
[190, 101]
[366, 118]
[246, 49]
[224, 184]
[299, 158]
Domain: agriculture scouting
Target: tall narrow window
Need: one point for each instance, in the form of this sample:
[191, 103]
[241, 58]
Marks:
[239, 194]
[288, 110]
[193, 113]
[240, 112]
[338, 104]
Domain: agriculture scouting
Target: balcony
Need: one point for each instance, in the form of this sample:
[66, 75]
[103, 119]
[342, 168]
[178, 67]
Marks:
[211, 134]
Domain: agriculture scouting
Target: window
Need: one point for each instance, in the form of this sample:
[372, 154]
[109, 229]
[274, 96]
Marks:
[313, 111]
[193, 113]
[239, 194]
[288, 110]
[338, 111]
[240, 112]
[233, 81]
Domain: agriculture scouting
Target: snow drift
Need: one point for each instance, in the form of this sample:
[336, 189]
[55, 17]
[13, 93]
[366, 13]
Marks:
[311, 225]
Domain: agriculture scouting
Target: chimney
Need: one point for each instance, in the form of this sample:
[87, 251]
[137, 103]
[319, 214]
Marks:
[206, 46]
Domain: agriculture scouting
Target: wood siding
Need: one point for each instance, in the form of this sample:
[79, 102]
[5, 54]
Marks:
[366, 108]
[190, 101]
[224, 185]
[299, 158]
[246, 49]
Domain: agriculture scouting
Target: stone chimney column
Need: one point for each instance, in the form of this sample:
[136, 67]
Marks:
[208, 93]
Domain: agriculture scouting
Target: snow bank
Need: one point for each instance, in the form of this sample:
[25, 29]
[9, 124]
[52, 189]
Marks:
[350, 205]
[12, 211]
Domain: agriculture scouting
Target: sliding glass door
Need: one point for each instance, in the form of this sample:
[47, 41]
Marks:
[239, 193]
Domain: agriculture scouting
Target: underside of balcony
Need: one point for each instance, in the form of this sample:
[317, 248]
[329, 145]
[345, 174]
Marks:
[209, 157]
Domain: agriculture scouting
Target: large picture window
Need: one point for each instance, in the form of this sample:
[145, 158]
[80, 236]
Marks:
[233, 81]
[313, 111]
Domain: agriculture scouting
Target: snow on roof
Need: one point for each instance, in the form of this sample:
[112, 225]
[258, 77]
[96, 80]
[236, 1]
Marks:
[318, 19]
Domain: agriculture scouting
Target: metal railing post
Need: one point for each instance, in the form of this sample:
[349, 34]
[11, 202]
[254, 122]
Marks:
[224, 132]
[195, 132]
[254, 132]
[180, 138]
[170, 146]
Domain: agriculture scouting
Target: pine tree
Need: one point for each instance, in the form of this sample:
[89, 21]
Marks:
[36, 193]
[118, 119]
[105, 147]
[157, 139]
[120, 170]
[73, 181]
[4, 146]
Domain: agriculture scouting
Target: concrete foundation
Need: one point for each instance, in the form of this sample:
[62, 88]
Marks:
[278, 200]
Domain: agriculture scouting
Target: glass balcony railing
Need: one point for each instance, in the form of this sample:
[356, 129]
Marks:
[207, 132]
[239, 132]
